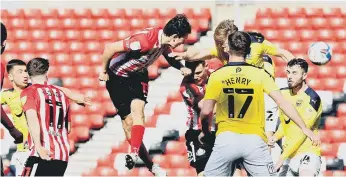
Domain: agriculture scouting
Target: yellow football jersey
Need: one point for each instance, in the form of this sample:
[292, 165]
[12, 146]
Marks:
[238, 89]
[309, 107]
[259, 47]
[12, 98]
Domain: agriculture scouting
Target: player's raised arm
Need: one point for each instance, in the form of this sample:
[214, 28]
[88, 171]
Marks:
[76, 96]
[193, 54]
[271, 49]
[110, 50]
[175, 63]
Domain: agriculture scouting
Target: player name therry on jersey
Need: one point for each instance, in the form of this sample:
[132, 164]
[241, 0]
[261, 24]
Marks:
[236, 80]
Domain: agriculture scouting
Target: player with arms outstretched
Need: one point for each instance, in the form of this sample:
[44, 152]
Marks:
[238, 90]
[192, 90]
[127, 78]
[305, 159]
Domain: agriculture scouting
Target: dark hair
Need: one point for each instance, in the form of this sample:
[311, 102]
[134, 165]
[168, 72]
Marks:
[193, 65]
[300, 62]
[37, 66]
[14, 62]
[3, 37]
[239, 43]
[178, 25]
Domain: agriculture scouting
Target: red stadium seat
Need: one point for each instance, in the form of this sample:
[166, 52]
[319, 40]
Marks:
[107, 35]
[17, 13]
[194, 24]
[54, 71]
[80, 120]
[329, 149]
[94, 46]
[161, 160]
[176, 147]
[62, 59]
[117, 13]
[155, 22]
[296, 12]
[313, 71]
[296, 47]
[79, 59]
[203, 24]
[288, 35]
[341, 112]
[32, 13]
[151, 13]
[314, 12]
[270, 34]
[326, 72]
[96, 121]
[90, 35]
[134, 13]
[341, 72]
[42, 46]
[178, 161]
[53, 23]
[26, 57]
[133, 172]
[327, 173]
[339, 173]
[87, 82]
[163, 109]
[338, 136]
[7, 56]
[103, 23]
[59, 47]
[69, 82]
[338, 60]
[340, 34]
[122, 147]
[266, 23]
[192, 38]
[315, 84]
[70, 23]
[95, 108]
[185, 172]
[105, 171]
[202, 13]
[50, 13]
[174, 97]
[336, 22]
[250, 25]
[75, 46]
[280, 12]
[325, 34]
[189, 13]
[137, 23]
[20, 35]
[333, 84]
[73, 35]
[301, 23]
[280, 72]
[106, 161]
[283, 23]
[324, 135]
[87, 23]
[36, 23]
[332, 12]
[66, 13]
[143, 171]
[24, 46]
[83, 13]
[83, 71]
[153, 72]
[18, 23]
[4, 14]
[99, 13]
[82, 133]
[168, 12]
[123, 34]
[121, 24]
[264, 13]
[39, 35]
[333, 123]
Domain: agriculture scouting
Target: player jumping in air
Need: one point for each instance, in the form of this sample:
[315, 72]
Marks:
[305, 159]
[238, 90]
[192, 90]
[5, 121]
[47, 112]
[127, 78]
[19, 77]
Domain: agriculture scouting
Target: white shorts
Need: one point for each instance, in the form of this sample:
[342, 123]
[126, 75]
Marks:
[271, 114]
[306, 161]
[19, 160]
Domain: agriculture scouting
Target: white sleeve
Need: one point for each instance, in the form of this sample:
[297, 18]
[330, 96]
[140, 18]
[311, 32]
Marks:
[271, 114]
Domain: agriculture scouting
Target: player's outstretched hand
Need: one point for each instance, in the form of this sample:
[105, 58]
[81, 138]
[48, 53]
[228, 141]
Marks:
[103, 76]
[185, 71]
[44, 153]
[17, 135]
[316, 141]
[177, 55]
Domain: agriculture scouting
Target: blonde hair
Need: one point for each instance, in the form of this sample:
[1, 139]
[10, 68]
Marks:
[222, 31]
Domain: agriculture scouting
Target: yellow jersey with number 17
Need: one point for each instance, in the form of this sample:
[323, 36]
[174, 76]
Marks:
[309, 107]
[11, 98]
[238, 89]
[259, 47]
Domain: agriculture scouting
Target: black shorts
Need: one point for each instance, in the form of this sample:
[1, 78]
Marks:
[123, 90]
[198, 154]
[43, 167]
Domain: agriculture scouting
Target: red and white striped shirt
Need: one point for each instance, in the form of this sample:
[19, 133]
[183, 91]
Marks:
[142, 49]
[52, 108]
